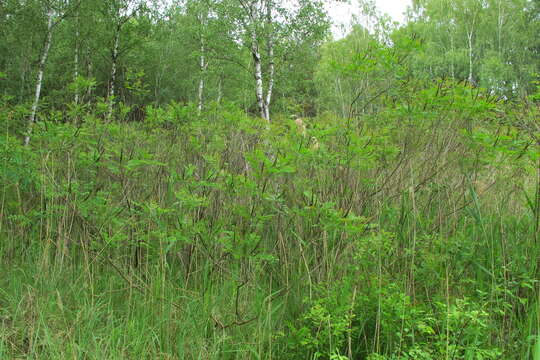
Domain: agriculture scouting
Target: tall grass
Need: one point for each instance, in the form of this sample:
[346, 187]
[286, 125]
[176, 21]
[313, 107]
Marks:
[221, 237]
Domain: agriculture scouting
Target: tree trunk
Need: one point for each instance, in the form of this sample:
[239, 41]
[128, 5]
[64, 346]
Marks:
[255, 53]
[202, 17]
[203, 65]
[112, 89]
[258, 79]
[469, 38]
[271, 72]
[271, 65]
[41, 71]
[258, 75]
[470, 34]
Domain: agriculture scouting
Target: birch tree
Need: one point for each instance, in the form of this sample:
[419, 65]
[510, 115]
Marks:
[483, 42]
[55, 11]
[203, 64]
[468, 14]
[271, 61]
[253, 10]
[267, 25]
[200, 11]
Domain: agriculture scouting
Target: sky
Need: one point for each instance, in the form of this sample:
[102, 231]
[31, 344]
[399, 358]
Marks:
[342, 13]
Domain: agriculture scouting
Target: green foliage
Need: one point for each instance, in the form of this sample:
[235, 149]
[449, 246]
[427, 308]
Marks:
[232, 213]
[414, 331]
[323, 330]
[171, 116]
[471, 38]
[398, 218]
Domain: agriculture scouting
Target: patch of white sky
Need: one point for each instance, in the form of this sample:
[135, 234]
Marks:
[343, 13]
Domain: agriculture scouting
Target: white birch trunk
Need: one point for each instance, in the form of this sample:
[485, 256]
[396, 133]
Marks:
[258, 77]
[470, 34]
[271, 65]
[203, 65]
[41, 71]
[112, 89]
[202, 17]
[469, 38]
[270, 87]
[259, 90]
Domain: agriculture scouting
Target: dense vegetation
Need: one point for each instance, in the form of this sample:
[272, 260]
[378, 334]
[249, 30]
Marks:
[221, 179]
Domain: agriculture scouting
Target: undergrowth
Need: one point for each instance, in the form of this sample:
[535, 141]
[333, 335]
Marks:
[410, 233]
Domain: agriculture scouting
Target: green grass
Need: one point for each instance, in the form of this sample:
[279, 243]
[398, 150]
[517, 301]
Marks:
[220, 239]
